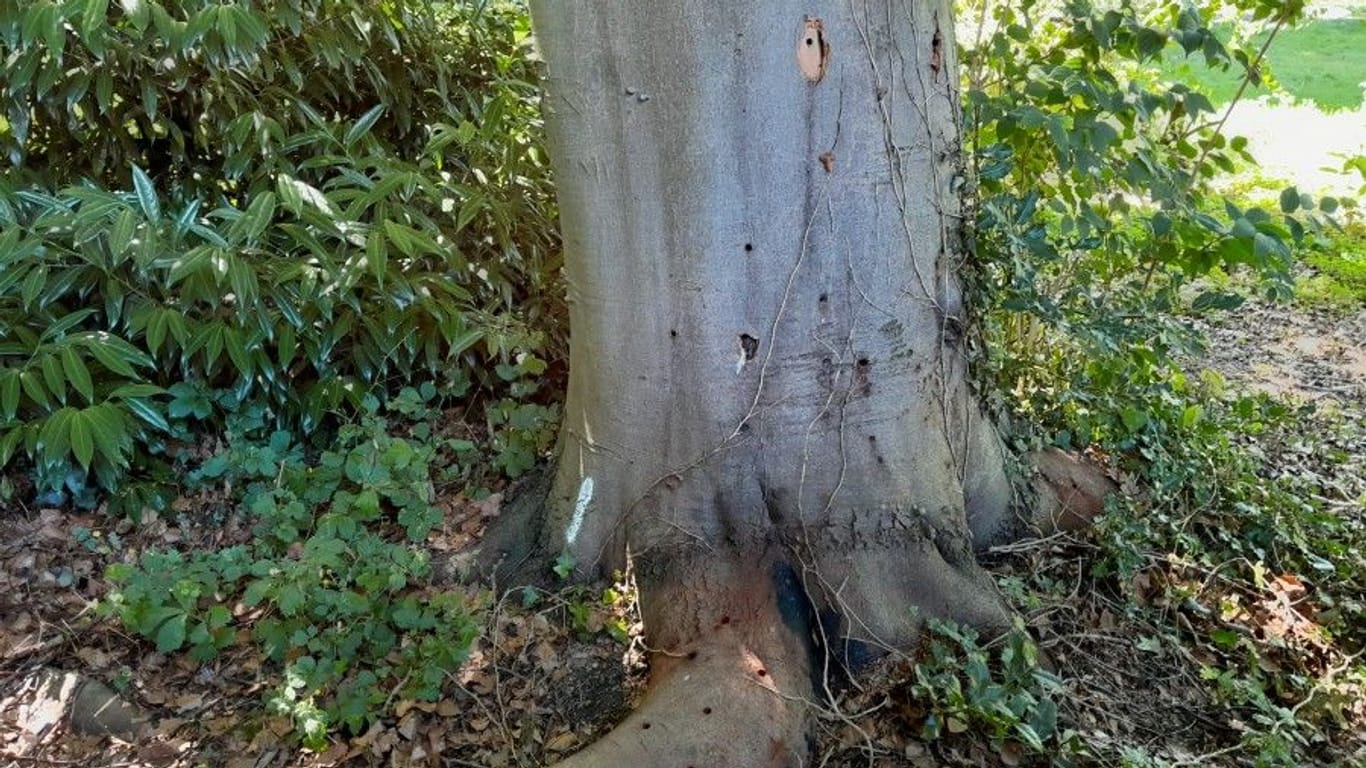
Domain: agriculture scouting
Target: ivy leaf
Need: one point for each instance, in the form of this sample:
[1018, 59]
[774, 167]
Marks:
[1133, 418]
[290, 598]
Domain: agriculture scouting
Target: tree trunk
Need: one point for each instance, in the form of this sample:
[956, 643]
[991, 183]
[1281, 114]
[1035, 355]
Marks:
[768, 410]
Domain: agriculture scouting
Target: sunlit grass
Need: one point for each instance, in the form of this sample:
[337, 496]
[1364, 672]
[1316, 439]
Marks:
[1322, 62]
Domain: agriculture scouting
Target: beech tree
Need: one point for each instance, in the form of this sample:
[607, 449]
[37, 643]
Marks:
[769, 411]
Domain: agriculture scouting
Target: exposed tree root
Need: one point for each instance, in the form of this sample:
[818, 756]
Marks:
[739, 653]
[730, 678]
[1070, 491]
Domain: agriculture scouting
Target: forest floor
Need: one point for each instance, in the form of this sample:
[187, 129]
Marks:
[552, 670]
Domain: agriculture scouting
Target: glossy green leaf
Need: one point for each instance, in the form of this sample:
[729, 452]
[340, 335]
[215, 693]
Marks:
[82, 441]
[54, 437]
[137, 390]
[106, 423]
[148, 412]
[53, 378]
[147, 195]
[9, 444]
[9, 394]
[259, 215]
[363, 125]
[32, 384]
[92, 24]
[77, 374]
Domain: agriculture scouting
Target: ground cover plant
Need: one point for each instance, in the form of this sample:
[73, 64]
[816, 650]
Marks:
[275, 349]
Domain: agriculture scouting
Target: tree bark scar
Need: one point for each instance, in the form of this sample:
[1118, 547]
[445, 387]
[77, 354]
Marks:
[779, 756]
[798, 614]
[863, 385]
[936, 51]
[813, 51]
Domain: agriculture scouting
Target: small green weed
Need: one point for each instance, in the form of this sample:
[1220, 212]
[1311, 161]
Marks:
[964, 685]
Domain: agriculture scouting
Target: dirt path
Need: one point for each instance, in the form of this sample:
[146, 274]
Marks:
[1317, 356]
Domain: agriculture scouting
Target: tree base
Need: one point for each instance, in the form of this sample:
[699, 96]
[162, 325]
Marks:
[731, 675]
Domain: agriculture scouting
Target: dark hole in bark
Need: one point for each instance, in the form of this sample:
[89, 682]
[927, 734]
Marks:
[706, 710]
[862, 385]
[749, 345]
[810, 41]
[881, 461]
[953, 330]
[762, 672]
[749, 247]
[673, 334]
[692, 655]
[824, 298]
[725, 620]
[644, 726]
[872, 438]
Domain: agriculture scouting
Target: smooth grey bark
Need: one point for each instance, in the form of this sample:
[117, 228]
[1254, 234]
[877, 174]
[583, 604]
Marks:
[763, 228]
[762, 270]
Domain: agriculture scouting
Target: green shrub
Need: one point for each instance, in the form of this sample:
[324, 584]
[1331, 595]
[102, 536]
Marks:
[283, 205]
[1100, 238]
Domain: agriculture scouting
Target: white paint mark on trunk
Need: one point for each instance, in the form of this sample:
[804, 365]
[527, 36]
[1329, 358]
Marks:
[580, 511]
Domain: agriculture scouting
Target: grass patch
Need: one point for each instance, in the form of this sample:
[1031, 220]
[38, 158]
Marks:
[1322, 62]
[1339, 279]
